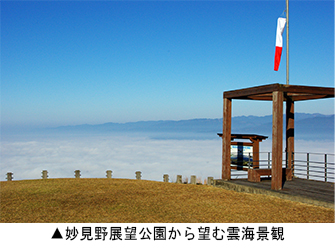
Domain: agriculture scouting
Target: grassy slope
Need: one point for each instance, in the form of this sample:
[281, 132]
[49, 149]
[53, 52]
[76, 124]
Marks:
[122, 201]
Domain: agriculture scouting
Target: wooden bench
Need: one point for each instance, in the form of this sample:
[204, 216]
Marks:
[254, 175]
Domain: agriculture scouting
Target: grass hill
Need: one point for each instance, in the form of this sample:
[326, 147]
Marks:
[140, 201]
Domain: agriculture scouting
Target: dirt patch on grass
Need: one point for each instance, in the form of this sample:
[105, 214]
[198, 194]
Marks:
[140, 201]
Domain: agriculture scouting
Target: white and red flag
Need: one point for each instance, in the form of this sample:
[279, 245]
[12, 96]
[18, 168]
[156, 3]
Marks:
[279, 41]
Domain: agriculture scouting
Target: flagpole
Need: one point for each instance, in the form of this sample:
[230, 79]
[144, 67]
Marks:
[287, 46]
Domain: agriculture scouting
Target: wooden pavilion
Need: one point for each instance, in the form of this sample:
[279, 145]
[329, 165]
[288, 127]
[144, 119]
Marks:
[277, 93]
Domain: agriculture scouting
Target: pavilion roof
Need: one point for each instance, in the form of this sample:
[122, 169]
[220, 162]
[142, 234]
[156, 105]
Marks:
[294, 92]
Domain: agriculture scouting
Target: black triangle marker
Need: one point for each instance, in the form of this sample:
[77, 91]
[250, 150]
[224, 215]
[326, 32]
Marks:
[57, 235]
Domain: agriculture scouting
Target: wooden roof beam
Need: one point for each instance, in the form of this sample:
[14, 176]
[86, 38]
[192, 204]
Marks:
[309, 97]
[296, 92]
[244, 93]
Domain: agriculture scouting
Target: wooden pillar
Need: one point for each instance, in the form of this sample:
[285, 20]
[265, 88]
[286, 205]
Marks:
[193, 179]
[210, 181]
[45, 174]
[109, 173]
[289, 136]
[138, 175]
[77, 173]
[9, 176]
[277, 140]
[166, 178]
[226, 139]
[255, 154]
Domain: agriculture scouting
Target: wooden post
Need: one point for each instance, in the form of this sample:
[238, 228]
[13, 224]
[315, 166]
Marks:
[179, 179]
[45, 174]
[210, 181]
[9, 176]
[289, 136]
[138, 175]
[77, 173]
[109, 174]
[255, 154]
[226, 139]
[277, 140]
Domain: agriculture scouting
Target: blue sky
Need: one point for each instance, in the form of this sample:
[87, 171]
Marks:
[68, 63]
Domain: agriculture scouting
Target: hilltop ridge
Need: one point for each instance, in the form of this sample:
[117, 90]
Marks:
[307, 126]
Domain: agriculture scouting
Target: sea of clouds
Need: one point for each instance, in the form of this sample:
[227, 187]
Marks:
[124, 155]
[93, 155]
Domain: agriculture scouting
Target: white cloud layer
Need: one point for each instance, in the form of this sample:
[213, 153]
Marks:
[124, 155]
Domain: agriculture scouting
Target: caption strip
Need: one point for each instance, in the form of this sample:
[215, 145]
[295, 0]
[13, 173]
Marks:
[116, 233]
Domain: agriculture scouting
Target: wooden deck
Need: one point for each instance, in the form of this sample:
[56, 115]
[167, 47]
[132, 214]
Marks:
[301, 190]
